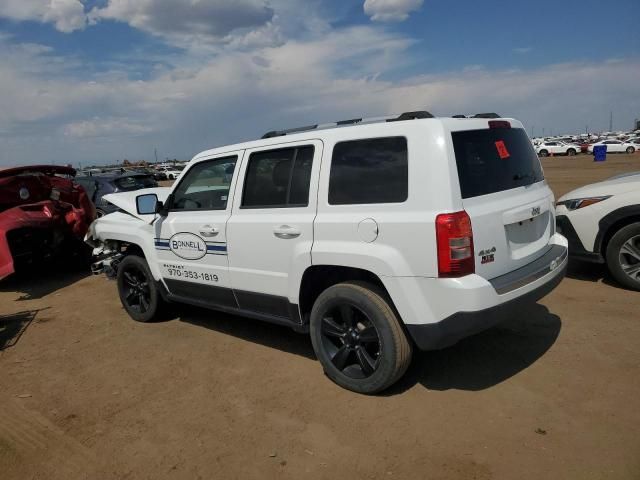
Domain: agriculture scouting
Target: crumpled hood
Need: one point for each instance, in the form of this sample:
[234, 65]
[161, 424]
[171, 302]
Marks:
[127, 200]
[619, 184]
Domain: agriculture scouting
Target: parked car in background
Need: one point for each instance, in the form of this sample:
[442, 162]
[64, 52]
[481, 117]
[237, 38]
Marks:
[172, 173]
[43, 213]
[557, 148]
[602, 223]
[614, 146]
[635, 142]
[157, 174]
[97, 186]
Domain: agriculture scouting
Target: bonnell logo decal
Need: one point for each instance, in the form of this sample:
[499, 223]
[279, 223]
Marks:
[188, 246]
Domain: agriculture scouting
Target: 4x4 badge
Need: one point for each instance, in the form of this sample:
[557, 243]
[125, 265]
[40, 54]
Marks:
[487, 255]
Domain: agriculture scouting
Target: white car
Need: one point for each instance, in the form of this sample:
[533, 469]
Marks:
[547, 148]
[371, 236]
[614, 146]
[602, 223]
[171, 172]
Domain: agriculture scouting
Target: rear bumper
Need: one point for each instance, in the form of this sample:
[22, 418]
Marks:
[473, 304]
[434, 336]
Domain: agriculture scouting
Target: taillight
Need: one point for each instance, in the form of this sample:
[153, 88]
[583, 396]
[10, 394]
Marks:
[455, 244]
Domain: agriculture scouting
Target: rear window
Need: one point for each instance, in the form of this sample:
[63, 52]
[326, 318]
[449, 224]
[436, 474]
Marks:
[494, 160]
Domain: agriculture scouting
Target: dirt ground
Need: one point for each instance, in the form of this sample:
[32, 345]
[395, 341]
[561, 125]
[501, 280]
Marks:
[85, 392]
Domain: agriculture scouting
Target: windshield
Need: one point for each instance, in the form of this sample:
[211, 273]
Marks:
[494, 160]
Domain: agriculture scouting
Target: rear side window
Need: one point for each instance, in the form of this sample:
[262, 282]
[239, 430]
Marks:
[278, 178]
[494, 160]
[374, 170]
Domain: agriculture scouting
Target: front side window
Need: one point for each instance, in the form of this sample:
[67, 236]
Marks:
[374, 170]
[205, 186]
[278, 178]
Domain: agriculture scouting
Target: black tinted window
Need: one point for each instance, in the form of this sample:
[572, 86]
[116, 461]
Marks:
[374, 170]
[278, 178]
[205, 186]
[89, 184]
[493, 160]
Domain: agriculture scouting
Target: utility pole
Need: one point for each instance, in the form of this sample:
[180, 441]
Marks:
[155, 153]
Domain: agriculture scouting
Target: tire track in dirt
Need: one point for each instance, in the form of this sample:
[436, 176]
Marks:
[41, 446]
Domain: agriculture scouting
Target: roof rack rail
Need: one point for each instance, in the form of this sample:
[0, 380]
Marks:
[280, 133]
[411, 116]
[486, 115]
[349, 122]
[458, 116]
[352, 121]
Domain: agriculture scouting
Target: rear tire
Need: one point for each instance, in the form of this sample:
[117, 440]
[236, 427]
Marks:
[623, 256]
[100, 213]
[358, 338]
[630, 149]
[571, 152]
[543, 153]
[137, 289]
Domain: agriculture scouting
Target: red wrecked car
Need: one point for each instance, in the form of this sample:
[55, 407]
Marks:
[43, 212]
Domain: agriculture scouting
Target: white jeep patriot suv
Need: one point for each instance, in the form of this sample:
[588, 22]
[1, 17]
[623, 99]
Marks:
[370, 235]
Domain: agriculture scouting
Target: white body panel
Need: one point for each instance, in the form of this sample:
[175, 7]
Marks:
[270, 248]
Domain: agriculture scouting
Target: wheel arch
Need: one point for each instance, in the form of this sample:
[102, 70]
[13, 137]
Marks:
[317, 278]
[612, 222]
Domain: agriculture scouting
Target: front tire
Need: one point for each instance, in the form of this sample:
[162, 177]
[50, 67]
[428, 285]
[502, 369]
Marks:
[571, 152]
[543, 153]
[136, 287]
[623, 256]
[358, 338]
[630, 149]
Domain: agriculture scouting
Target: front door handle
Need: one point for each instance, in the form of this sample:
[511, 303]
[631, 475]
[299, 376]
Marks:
[208, 231]
[286, 232]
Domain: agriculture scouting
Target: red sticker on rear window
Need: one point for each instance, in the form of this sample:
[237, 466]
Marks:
[502, 149]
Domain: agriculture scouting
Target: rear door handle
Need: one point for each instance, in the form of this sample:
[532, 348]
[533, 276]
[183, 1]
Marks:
[208, 231]
[286, 232]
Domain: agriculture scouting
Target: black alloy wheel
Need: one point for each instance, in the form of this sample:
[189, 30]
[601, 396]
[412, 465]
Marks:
[137, 289]
[351, 340]
[138, 296]
[358, 337]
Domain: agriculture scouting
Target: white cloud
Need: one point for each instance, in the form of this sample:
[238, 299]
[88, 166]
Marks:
[48, 113]
[182, 20]
[105, 127]
[522, 50]
[391, 10]
[66, 15]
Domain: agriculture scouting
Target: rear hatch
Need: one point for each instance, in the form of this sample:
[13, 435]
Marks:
[505, 195]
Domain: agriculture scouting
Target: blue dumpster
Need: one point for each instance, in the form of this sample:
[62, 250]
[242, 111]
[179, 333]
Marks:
[599, 153]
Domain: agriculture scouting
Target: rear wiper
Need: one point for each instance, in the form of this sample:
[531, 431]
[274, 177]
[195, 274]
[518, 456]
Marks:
[522, 176]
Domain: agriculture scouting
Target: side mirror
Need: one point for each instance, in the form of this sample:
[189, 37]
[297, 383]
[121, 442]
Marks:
[147, 204]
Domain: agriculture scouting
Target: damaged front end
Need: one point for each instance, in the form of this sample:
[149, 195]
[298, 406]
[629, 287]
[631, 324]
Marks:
[107, 257]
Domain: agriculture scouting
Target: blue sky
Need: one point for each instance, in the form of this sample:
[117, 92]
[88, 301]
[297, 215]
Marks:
[103, 80]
